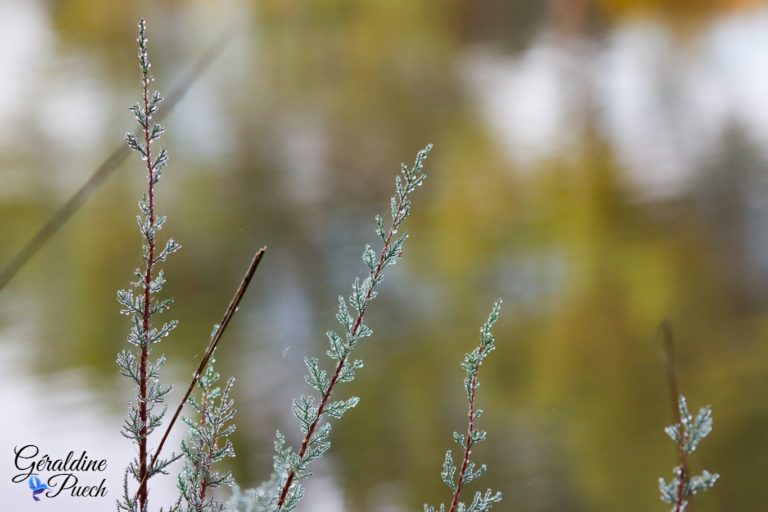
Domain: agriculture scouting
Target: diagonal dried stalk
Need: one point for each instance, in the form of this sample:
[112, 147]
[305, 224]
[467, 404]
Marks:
[232, 307]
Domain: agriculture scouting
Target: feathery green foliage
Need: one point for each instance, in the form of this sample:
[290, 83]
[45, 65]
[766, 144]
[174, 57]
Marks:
[208, 443]
[144, 414]
[468, 471]
[687, 435]
[283, 490]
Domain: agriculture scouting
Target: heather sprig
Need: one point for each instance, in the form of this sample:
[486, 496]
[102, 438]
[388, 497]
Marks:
[208, 443]
[283, 491]
[145, 414]
[687, 434]
[456, 478]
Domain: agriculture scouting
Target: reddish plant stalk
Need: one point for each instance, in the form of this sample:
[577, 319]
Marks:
[682, 477]
[337, 372]
[467, 441]
[146, 311]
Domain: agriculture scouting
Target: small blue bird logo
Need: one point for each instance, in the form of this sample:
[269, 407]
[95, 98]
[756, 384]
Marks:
[37, 487]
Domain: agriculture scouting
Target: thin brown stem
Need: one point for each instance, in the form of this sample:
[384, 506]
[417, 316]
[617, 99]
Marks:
[665, 328]
[232, 307]
[467, 441]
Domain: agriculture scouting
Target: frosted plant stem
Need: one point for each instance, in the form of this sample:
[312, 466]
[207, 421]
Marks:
[208, 444]
[683, 478]
[687, 434]
[283, 490]
[457, 478]
[142, 420]
[376, 275]
[147, 303]
[232, 307]
[467, 442]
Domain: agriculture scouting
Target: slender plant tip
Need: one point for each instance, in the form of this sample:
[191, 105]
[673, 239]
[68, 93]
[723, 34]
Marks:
[146, 413]
[283, 491]
[456, 478]
[687, 433]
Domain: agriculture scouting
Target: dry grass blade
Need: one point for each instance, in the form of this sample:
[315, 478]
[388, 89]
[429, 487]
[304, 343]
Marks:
[228, 314]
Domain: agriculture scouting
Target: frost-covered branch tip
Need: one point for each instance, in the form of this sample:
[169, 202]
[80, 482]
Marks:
[687, 434]
[144, 414]
[283, 491]
[458, 477]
